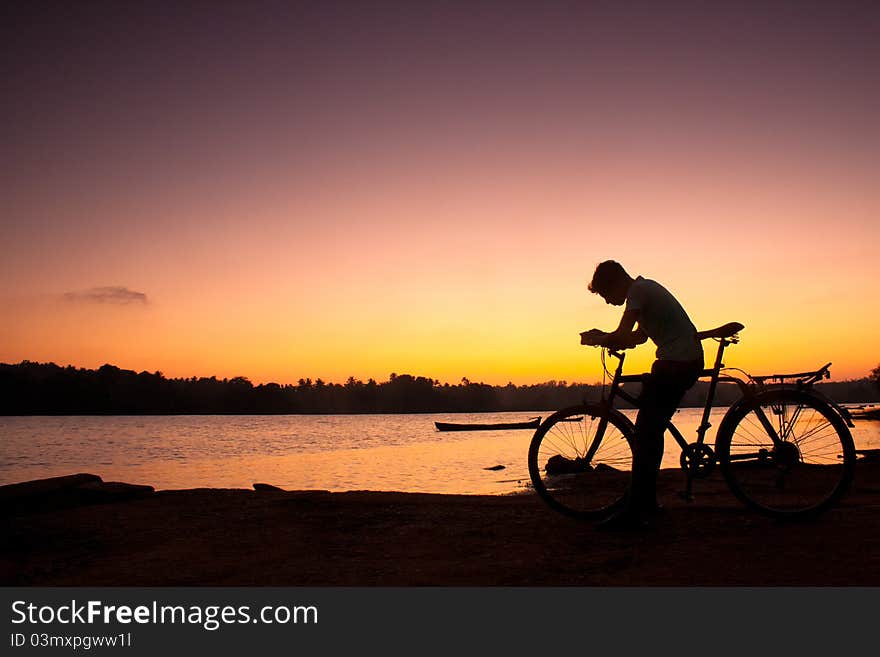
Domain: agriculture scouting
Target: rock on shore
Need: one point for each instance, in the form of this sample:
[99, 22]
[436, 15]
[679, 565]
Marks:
[66, 491]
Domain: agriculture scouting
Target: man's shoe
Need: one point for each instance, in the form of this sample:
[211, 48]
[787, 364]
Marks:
[625, 520]
[631, 518]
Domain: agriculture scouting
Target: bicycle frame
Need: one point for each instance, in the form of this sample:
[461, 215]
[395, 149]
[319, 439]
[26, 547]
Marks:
[698, 459]
[714, 374]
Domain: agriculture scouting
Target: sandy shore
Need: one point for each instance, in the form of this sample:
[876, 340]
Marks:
[315, 538]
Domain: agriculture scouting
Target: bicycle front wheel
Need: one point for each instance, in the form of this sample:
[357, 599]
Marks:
[786, 453]
[580, 460]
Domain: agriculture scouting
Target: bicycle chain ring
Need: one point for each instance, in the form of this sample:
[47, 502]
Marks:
[698, 460]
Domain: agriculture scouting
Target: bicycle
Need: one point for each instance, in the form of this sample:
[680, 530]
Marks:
[783, 448]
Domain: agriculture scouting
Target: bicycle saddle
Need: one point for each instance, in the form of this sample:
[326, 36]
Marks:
[728, 330]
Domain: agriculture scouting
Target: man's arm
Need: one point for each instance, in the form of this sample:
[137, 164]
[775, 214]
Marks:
[623, 337]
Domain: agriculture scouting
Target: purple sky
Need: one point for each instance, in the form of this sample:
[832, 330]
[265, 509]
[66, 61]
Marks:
[151, 147]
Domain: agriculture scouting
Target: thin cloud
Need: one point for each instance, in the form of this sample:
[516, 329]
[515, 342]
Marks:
[114, 294]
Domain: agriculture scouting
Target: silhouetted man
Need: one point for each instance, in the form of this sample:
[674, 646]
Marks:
[679, 361]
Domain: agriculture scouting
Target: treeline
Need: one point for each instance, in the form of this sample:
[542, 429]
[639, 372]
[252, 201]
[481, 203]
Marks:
[30, 388]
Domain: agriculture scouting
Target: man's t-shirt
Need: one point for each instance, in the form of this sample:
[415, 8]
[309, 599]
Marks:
[664, 320]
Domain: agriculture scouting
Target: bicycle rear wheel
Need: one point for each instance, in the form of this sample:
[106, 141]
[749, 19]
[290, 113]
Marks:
[580, 460]
[786, 453]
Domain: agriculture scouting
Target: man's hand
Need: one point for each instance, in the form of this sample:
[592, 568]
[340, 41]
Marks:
[625, 340]
[614, 340]
[593, 337]
[622, 343]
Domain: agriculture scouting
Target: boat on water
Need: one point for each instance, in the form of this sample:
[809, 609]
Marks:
[497, 426]
[864, 412]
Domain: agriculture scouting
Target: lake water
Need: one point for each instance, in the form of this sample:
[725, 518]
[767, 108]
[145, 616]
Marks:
[332, 452]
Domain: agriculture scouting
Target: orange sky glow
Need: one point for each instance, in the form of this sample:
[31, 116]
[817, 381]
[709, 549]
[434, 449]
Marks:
[361, 202]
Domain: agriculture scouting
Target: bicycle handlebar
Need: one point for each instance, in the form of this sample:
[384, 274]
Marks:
[728, 333]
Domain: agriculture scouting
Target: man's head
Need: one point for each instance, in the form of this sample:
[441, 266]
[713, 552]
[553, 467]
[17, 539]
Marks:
[611, 282]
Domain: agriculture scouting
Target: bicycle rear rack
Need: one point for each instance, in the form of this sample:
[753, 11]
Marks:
[799, 380]
[803, 381]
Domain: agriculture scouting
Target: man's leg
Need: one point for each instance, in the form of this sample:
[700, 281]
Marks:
[661, 394]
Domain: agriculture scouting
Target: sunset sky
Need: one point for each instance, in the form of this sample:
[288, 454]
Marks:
[324, 189]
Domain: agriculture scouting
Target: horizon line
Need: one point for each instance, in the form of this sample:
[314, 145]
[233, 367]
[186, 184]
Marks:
[865, 378]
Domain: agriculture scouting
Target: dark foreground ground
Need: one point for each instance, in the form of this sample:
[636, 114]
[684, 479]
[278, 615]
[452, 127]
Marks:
[242, 537]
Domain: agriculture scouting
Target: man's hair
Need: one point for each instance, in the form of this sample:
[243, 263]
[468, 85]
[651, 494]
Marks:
[606, 272]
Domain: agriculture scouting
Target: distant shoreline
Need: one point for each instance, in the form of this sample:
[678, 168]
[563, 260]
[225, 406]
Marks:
[866, 415]
[36, 389]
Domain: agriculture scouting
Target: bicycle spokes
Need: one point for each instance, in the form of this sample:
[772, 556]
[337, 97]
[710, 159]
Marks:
[787, 452]
[580, 460]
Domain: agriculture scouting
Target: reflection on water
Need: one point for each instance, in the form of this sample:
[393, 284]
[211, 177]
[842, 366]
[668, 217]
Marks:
[333, 452]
